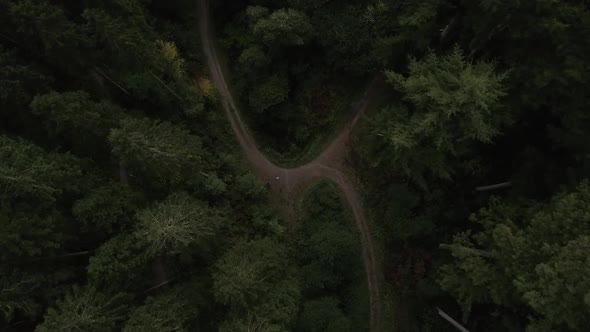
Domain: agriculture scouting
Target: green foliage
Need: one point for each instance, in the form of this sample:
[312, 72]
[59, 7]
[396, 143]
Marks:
[267, 222]
[17, 81]
[214, 185]
[158, 150]
[175, 224]
[169, 312]
[450, 104]
[271, 92]
[121, 262]
[323, 314]
[247, 271]
[253, 57]
[248, 324]
[94, 103]
[250, 186]
[559, 289]
[125, 42]
[87, 310]
[73, 115]
[286, 27]
[106, 208]
[255, 13]
[328, 252]
[255, 279]
[538, 260]
[28, 171]
[31, 182]
[48, 32]
[345, 36]
[93, 93]
[28, 234]
[16, 290]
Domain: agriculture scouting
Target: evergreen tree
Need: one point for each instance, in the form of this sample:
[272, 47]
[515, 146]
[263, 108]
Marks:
[158, 150]
[323, 315]
[85, 309]
[255, 279]
[76, 119]
[28, 171]
[538, 259]
[286, 27]
[450, 104]
[175, 224]
[170, 312]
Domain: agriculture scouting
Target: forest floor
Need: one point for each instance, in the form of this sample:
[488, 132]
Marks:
[287, 183]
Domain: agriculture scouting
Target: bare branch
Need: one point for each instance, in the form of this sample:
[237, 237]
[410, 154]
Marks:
[167, 87]
[494, 186]
[96, 69]
[467, 250]
[451, 320]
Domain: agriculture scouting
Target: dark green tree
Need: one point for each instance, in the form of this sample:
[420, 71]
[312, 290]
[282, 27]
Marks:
[43, 30]
[26, 170]
[537, 257]
[121, 263]
[158, 150]
[172, 311]
[107, 208]
[269, 93]
[284, 27]
[323, 314]
[450, 104]
[32, 183]
[255, 279]
[85, 309]
[176, 223]
[17, 294]
[75, 117]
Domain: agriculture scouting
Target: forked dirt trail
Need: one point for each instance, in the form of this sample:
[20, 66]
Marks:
[329, 164]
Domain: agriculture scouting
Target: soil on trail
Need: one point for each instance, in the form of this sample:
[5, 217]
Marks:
[329, 164]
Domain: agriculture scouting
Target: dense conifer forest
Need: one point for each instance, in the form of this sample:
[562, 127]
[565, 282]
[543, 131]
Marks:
[294, 165]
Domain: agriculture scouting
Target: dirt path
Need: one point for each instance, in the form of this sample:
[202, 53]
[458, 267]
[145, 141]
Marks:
[329, 164]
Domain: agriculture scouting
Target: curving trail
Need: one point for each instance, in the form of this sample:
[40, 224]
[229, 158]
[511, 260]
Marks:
[329, 164]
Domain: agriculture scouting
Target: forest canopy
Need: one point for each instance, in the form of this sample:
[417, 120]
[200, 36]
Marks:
[126, 203]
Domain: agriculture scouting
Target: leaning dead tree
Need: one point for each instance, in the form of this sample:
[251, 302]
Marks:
[466, 250]
[494, 186]
[451, 320]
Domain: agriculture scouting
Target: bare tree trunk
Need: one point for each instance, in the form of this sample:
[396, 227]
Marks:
[159, 271]
[494, 186]
[73, 254]
[444, 32]
[166, 86]
[470, 251]
[123, 176]
[96, 69]
[165, 283]
[451, 320]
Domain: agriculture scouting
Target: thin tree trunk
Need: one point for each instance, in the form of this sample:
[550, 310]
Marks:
[123, 176]
[451, 320]
[96, 69]
[165, 85]
[165, 283]
[470, 251]
[494, 186]
[36, 259]
[445, 31]
[74, 254]
[159, 271]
